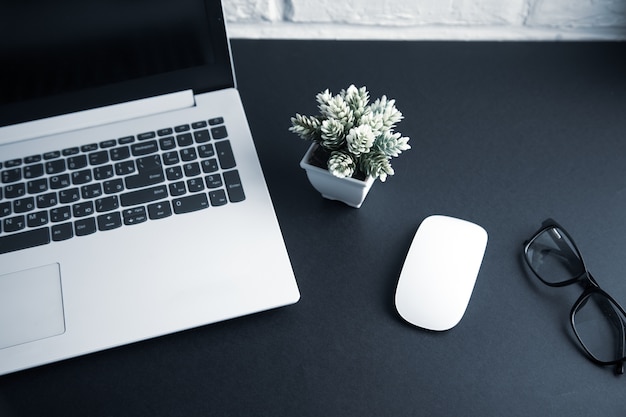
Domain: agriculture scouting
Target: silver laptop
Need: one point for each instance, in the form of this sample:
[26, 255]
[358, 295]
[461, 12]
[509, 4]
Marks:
[132, 202]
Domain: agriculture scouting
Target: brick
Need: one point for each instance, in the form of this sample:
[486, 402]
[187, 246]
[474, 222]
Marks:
[253, 10]
[408, 12]
[578, 13]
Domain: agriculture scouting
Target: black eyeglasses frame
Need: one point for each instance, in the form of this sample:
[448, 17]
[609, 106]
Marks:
[590, 287]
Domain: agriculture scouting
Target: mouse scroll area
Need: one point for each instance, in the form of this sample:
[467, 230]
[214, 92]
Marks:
[31, 305]
[439, 273]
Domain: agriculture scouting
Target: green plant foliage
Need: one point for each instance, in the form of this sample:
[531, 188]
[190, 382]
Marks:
[358, 135]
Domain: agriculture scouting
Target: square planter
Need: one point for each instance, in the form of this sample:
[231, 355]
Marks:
[350, 191]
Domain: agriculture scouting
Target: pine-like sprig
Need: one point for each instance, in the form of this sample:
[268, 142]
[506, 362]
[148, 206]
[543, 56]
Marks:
[333, 134]
[357, 99]
[391, 144]
[360, 139]
[336, 108]
[387, 110]
[307, 127]
[341, 164]
[376, 164]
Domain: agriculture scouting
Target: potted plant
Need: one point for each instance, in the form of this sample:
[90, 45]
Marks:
[353, 143]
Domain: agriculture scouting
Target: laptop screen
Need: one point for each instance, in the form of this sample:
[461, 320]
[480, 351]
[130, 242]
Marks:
[64, 56]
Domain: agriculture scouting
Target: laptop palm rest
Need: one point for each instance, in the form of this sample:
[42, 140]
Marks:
[31, 305]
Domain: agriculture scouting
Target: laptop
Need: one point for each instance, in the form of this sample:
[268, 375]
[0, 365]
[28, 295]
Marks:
[132, 201]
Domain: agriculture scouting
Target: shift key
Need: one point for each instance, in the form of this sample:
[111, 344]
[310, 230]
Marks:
[146, 195]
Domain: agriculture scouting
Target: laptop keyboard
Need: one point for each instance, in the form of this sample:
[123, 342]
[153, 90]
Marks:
[116, 183]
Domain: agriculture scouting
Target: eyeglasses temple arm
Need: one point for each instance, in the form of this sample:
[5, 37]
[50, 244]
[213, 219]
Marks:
[609, 311]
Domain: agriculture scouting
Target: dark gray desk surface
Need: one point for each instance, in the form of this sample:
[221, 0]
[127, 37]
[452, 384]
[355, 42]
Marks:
[503, 134]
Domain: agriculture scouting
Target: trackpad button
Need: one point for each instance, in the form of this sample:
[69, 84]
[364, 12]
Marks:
[31, 305]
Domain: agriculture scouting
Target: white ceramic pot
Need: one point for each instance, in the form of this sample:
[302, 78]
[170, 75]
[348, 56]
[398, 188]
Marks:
[347, 190]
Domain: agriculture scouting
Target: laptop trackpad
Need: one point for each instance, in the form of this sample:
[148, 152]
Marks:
[31, 305]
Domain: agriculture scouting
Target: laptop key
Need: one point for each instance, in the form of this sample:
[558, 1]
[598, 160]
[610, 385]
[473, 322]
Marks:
[32, 159]
[82, 177]
[61, 214]
[47, 200]
[24, 240]
[135, 215]
[5, 208]
[62, 232]
[37, 186]
[192, 169]
[218, 198]
[107, 203]
[71, 151]
[144, 148]
[201, 136]
[191, 203]
[69, 196]
[177, 188]
[77, 162]
[225, 154]
[147, 195]
[14, 224]
[159, 210]
[109, 221]
[213, 181]
[60, 181]
[83, 209]
[118, 154]
[15, 190]
[11, 175]
[143, 180]
[24, 205]
[51, 155]
[167, 143]
[84, 227]
[166, 131]
[149, 163]
[234, 187]
[33, 171]
[113, 186]
[206, 151]
[209, 165]
[55, 166]
[98, 158]
[219, 132]
[146, 135]
[37, 219]
[184, 140]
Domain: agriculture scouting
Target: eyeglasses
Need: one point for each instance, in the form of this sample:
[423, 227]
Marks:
[598, 321]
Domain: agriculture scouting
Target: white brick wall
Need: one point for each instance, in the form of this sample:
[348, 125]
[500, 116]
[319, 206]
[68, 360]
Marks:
[427, 19]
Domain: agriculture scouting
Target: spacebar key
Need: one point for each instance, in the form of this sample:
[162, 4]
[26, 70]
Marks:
[143, 196]
[24, 240]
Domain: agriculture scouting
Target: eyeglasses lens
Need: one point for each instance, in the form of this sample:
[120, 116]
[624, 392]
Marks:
[553, 257]
[599, 325]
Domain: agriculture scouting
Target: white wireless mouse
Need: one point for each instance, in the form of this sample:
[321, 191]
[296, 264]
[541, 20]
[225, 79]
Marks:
[439, 272]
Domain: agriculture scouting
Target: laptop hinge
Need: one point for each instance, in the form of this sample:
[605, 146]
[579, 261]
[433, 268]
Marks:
[97, 117]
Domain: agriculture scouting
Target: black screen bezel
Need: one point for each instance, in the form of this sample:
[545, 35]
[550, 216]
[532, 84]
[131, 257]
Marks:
[211, 76]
